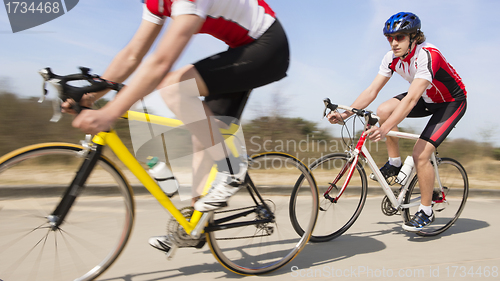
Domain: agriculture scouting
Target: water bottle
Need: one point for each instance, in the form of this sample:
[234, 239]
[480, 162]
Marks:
[405, 171]
[163, 176]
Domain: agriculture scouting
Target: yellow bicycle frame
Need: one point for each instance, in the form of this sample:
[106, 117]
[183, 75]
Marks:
[112, 140]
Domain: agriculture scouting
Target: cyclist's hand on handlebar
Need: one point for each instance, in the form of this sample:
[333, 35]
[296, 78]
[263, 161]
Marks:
[375, 133]
[87, 101]
[94, 121]
[337, 118]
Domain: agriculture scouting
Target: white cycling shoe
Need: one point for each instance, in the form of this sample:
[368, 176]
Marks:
[224, 186]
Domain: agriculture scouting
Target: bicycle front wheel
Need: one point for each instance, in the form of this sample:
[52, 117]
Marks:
[95, 231]
[335, 217]
[456, 190]
[255, 234]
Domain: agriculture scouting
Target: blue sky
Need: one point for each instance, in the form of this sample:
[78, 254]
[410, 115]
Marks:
[336, 49]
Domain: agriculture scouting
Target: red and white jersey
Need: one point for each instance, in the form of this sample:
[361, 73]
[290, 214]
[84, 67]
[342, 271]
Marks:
[236, 22]
[427, 62]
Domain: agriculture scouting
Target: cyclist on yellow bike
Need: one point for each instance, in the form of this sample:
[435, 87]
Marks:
[435, 89]
[258, 54]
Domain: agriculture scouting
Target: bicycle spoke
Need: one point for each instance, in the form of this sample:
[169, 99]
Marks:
[93, 233]
[335, 218]
[263, 246]
[456, 186]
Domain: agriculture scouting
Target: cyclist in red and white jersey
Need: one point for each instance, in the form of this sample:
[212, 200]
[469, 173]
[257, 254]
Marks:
[435, 90]
[258, 54]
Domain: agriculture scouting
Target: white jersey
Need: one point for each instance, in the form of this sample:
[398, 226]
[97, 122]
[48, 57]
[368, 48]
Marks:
[427, 62]
[236, 22]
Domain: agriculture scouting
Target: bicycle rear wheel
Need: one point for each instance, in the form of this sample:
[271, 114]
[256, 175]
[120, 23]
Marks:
[334, 218]
[263, 238]
[456, 190]
[95, 231]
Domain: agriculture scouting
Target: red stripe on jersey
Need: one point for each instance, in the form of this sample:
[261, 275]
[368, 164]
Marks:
[266, 7]
[436, 59]
[230, 32]
[448, 85]
[393, 64]
[154, 7]
[448, 122]
[439, 93]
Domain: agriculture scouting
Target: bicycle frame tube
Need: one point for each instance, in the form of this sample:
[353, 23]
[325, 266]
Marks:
[59, 214]
[354, 162]
[361, 148]
[228, 134]
[112, 140]
[380, 178]
[438, 178]
[387, 190]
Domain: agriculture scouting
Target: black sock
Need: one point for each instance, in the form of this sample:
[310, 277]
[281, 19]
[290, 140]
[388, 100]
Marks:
[224, 165]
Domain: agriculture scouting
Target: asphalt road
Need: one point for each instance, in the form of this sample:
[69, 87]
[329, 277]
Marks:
[375, 248]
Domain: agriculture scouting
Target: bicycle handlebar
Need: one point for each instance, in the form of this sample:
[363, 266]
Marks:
[66, 91]
[371, 119]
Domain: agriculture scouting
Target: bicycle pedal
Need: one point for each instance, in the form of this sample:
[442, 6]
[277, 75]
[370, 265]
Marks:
[170, 253]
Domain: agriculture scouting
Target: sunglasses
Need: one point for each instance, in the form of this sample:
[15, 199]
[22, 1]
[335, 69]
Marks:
[398, 38]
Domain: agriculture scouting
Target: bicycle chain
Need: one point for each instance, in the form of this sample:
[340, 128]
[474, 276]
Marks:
[232, 210]
[243, 237]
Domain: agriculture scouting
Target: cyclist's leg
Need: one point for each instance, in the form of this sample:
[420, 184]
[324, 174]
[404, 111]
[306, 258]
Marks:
[229, 75]
[425, 172]
[182, 96]
[201, 165]
[384, 111]
[227, 109]
[444, 117]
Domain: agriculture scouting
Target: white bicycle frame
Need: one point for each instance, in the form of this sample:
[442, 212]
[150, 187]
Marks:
[398, 202]
[361, 150]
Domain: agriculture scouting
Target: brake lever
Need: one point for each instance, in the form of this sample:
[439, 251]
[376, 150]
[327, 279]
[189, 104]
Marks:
[45, 75]
[56, 103]
[44, 93]
[56, 106]
[333, 107]
[325, 113]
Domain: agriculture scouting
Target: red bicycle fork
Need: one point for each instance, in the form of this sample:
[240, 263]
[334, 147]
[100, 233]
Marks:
[349, 166]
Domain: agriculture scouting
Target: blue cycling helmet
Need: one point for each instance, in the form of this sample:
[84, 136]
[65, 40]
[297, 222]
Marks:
[402, 22]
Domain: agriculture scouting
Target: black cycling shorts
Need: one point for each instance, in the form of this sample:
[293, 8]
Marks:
[231, 75]
[444, 118]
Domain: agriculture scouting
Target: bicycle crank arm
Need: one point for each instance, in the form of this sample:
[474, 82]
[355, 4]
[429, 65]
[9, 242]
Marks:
[196, 233]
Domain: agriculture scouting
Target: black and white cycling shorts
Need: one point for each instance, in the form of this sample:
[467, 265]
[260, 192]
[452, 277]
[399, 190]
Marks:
[232, 74]
[444, 118]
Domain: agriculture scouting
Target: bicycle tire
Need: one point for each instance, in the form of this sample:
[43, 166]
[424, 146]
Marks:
[93, 234]
[335, 218]
[261, 248]
[456, 183]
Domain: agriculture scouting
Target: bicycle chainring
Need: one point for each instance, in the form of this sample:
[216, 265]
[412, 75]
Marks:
[387, 207]
[177, 232]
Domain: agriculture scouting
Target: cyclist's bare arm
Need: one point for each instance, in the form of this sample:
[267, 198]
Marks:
[148, 77]
[158, 64]
[416, 90]
[364, 99]
[129, 58]
[125, 62]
